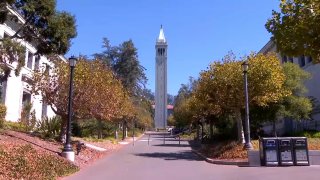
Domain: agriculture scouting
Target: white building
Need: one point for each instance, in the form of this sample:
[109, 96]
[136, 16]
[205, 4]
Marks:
[313, 86]
[15, 91]
[160, 120]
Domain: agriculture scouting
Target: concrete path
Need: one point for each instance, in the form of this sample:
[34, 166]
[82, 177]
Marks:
[159, 161]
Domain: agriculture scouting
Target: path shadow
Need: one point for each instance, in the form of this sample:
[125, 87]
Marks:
[181, 155]
[172, 145]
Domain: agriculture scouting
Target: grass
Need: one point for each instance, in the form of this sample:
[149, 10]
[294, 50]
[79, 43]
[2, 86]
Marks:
[24, 162]
[94, 139]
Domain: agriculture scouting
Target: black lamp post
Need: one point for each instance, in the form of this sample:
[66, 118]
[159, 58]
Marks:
[67, 150]
[247, 144]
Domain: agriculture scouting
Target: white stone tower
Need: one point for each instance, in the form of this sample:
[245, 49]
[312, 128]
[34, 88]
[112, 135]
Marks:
[160, 120]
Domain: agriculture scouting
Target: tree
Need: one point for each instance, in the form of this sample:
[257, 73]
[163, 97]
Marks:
[296, 29]
[97, 93]
[294, 106]
[182, 112]
[123, 60]
[222, 85]
[49, 30]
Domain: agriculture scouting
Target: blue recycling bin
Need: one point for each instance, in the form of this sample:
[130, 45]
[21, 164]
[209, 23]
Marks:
[268, 148]
[285, 152]
[300, 151]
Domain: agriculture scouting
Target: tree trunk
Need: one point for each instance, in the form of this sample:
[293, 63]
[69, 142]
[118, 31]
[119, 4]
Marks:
[198, 132]
[63, 130]
[211, 128]
[240, 134]
[116, 135]
[274, 128]
[124, 130]
[202, 133]
[99, 129]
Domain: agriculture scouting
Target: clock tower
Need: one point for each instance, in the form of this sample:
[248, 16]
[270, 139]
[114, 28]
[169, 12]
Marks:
[160, 120]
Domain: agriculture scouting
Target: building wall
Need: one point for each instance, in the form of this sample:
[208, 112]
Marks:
[313, 86]
[16, 86]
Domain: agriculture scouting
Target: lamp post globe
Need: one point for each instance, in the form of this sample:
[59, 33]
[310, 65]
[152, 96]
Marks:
[67, 151]
[247, 145]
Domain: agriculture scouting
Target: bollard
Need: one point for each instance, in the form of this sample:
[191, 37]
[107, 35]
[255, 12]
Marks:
[148, 139]
[179, 139]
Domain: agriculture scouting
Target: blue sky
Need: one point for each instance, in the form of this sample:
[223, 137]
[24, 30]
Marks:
[198, 31]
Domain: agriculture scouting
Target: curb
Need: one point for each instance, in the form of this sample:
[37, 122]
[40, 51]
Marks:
[221, 162]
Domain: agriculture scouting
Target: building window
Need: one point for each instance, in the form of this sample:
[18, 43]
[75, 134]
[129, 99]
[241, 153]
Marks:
[26, 98]
[302, 61]
[44, 112]
[5, 35]
[30, 60]
[37, 63]
[290, 59]
[284, 59]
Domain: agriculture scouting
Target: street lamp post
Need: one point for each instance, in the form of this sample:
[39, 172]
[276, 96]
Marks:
[67, 150]
[247, 144]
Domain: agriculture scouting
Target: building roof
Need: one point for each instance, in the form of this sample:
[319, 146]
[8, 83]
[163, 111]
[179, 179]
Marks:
[169, 106]
[161, 37]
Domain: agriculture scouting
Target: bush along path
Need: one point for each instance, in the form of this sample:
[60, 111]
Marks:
[25, 156]
[25, 162]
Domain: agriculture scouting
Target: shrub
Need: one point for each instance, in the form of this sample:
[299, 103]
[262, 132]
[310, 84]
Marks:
[92, 128]
[28, 117]
[24, 162]
[49, 127]
[3, 111]
[14, 126]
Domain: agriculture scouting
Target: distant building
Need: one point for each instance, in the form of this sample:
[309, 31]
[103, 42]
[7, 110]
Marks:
[313, 86]
[160, 119]
[15, 91]
[169, 109]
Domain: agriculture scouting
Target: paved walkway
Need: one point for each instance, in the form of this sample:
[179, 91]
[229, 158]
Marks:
[158, 161]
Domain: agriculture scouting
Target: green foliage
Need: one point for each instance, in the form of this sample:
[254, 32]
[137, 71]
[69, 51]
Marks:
[16, 126]
[28, 118]
[182, 112]
[49, 127]
[123, 59]
[143, 113]
[93, 127]
[295, 78]
[308, 134]
[3, 112]
[295, 29]
[11, 51]
[47, 28]
[24, 162]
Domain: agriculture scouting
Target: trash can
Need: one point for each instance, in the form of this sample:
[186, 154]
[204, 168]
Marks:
[285, 152]
[300, 151]
[269, 151]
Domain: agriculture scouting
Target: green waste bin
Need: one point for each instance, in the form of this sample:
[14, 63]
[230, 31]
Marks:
[268, 148]
[285, 152]
[300, 151]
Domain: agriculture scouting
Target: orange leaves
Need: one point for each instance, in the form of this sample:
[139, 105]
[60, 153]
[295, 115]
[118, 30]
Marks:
[97, 93]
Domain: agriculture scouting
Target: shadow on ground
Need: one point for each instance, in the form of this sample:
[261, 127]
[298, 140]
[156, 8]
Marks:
[172, 145]
[182, 155]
